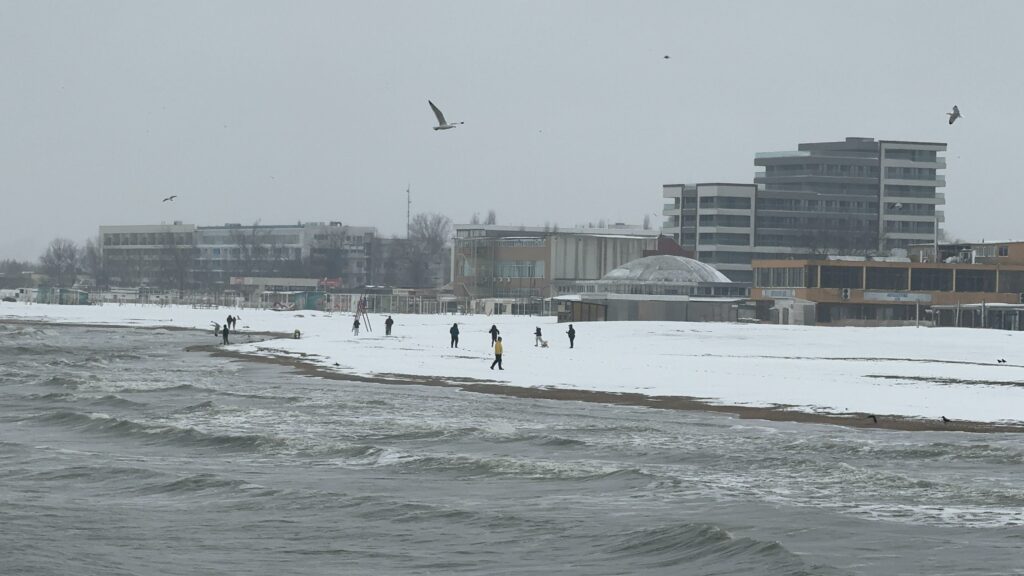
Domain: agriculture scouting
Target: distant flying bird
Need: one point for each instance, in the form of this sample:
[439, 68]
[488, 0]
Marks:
[666, 56]
[442, 124]
[170, 198]
[873, 418]
[954, 115]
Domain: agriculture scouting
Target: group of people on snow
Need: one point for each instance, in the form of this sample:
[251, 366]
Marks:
[229, 326]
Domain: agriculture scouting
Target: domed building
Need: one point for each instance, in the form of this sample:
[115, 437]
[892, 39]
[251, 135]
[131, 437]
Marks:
[660, 287]
[662, 275]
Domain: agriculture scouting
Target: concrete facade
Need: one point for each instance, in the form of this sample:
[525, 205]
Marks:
[874, 292]
[491, 261]
[184, 256]
[857, 196]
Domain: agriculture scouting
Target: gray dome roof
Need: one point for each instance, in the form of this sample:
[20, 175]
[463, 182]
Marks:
[669, 269]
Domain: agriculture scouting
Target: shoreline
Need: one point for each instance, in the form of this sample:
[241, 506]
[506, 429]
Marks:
[684, 403]
[777, 413]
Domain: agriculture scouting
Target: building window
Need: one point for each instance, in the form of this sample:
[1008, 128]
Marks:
[1004, 250]
[887, 278]
[841, 277]
[519, 269]
[779, 277]
[931, 280]
[976, 281]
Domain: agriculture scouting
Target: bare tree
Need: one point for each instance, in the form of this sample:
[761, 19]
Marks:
[647, 221]
[14, 274]
[428, 236]
[475, 219]
[430, 230]
[328, 257]
[253, 248]
[178, 254]
[492, 218]
[92, 262]
[60, 261]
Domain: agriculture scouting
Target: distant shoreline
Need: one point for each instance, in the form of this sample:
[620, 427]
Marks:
[777, 413]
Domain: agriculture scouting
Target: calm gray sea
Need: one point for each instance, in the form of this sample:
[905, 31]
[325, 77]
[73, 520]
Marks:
[122, 454]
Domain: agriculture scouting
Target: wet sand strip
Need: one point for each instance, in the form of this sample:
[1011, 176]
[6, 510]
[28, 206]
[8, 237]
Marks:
[779, 413]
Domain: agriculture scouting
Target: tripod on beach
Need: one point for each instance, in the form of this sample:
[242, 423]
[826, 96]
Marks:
[361, 314]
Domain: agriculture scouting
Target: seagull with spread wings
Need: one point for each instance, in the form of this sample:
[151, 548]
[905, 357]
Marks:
[954, 115]
[442, 124]
[170, 198]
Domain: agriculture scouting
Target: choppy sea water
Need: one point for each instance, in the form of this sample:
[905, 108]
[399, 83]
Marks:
[122, 454]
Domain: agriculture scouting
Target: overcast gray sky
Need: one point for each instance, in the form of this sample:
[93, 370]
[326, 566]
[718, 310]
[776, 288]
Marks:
[288, 111]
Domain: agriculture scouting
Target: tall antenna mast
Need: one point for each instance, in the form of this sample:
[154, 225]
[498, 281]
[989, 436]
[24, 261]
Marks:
[408, 209]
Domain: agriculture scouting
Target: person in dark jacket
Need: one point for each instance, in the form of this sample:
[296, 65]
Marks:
[224, 332]
[572, 335]
[355, 327]
[498, 349]
[454, 331]
[387, 326]
[537, 341]
[494, 334]
[229, 321]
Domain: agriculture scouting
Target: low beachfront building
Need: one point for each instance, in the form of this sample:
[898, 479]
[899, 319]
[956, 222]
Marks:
[882, 291]
[515, 268]
[659, 288]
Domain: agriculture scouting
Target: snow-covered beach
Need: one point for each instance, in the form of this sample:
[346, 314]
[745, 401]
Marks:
[908, 372]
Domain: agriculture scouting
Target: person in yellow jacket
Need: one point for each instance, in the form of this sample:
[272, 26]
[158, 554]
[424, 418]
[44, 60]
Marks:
[498, 348]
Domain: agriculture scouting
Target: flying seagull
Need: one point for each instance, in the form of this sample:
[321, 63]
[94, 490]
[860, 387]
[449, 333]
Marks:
[666, 57]
[954, 115]
[170, 198]
[442, 124]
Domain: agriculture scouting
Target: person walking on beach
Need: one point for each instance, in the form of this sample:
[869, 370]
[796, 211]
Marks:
[355, 327]
[387, 326]
[454, 331]
[572, 335]
[229, 321]
[537, 339]
[498, 349]
[494, 334]
[224, 332]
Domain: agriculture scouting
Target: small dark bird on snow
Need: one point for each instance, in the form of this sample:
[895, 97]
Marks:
[1001, 361]
[946, 420]
[873, 418]
[954, 115]
[170, 198]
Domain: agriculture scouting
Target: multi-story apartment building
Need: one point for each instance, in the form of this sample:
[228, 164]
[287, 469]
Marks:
[716, 221]
[316, 249]
[154, 255]
[186, 256]
[857, 196]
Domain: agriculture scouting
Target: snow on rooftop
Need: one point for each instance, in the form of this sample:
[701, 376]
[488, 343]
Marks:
[665, 268]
